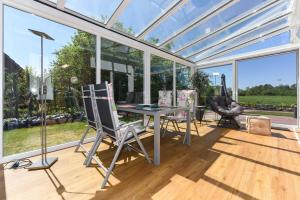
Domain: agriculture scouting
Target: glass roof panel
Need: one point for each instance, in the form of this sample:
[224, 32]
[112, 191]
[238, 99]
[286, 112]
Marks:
[251, 23]
[99, 10]
[216, 22]
[139, 14]
[277, 40]
[187, 13]
[243, 38]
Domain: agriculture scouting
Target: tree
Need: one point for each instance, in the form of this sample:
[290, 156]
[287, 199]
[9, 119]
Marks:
[200, 82]
[73, 61]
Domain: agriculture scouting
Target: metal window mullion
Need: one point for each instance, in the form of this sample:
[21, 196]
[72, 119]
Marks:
[174, 84]
[98, 59]
[1, 79]
[235, 81]
[298, 87]
[169, 11]
[206, 16]
[233, 36]
[266, 35]
[147, 76]
[117, 13]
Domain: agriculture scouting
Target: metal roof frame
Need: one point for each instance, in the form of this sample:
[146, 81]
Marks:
[207, 15]
[242, 44]
[235, 21]
[242, 32]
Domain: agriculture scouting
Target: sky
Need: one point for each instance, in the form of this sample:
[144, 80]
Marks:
[24, 47]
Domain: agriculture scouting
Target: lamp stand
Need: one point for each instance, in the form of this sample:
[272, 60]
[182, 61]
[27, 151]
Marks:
[45, 162]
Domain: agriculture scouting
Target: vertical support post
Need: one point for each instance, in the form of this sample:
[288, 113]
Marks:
[174, 84]
[234, 81]
[147, 76]
[147, 81]
[98, 59]
[1, 79]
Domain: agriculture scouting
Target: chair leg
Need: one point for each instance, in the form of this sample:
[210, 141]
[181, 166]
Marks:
[162, 124]
[82, 138]
[175, 126]
[141, 146]
[114, 160]
[166, 128]
[94, 148]
[176, 123]
[196, 127]
[148, 121]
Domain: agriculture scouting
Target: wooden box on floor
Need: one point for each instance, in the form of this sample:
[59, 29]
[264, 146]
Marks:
[258, 125]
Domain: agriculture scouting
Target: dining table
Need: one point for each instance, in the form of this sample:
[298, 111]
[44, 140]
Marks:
[157, 113]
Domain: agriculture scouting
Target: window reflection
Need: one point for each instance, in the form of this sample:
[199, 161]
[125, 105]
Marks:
[161, 76]
[123, 66]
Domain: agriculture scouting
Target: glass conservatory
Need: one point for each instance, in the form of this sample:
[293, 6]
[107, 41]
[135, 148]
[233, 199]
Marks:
[145, 48]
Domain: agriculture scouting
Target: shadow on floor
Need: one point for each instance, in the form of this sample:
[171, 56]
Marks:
[190, 162]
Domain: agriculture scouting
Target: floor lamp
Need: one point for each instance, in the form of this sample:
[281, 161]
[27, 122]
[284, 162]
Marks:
[45, 162]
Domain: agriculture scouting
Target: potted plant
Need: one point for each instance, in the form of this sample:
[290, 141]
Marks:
[200, 82]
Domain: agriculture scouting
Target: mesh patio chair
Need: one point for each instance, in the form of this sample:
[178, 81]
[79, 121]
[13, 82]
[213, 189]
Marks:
[121, 134]
[93, 120]
[185, 98]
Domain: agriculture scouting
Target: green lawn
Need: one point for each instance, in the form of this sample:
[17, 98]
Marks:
[27, 139]
[272, 100]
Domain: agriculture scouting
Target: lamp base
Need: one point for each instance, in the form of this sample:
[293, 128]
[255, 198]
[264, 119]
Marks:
[42, 164]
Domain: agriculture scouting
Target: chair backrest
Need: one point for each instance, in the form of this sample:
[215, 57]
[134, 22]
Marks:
[165, 98]
[106, 108]
[89, 106]
[186, 98]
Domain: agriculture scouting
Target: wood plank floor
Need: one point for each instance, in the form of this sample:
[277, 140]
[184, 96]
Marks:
[220, 164]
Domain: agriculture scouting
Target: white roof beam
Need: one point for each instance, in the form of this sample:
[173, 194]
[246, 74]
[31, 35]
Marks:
[117, 13]
[168, 12]
[245, 31]
[264, 36]
[254, 54]
[235, 21]
[207, 15]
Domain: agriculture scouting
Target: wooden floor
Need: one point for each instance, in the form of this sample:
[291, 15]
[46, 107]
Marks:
[220, 164]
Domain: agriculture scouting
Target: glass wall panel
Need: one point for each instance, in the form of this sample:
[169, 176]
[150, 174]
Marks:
[123, 66]
[183, 77]
[68, 63]
[99, 10]
[268, 87]
[161, 76]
